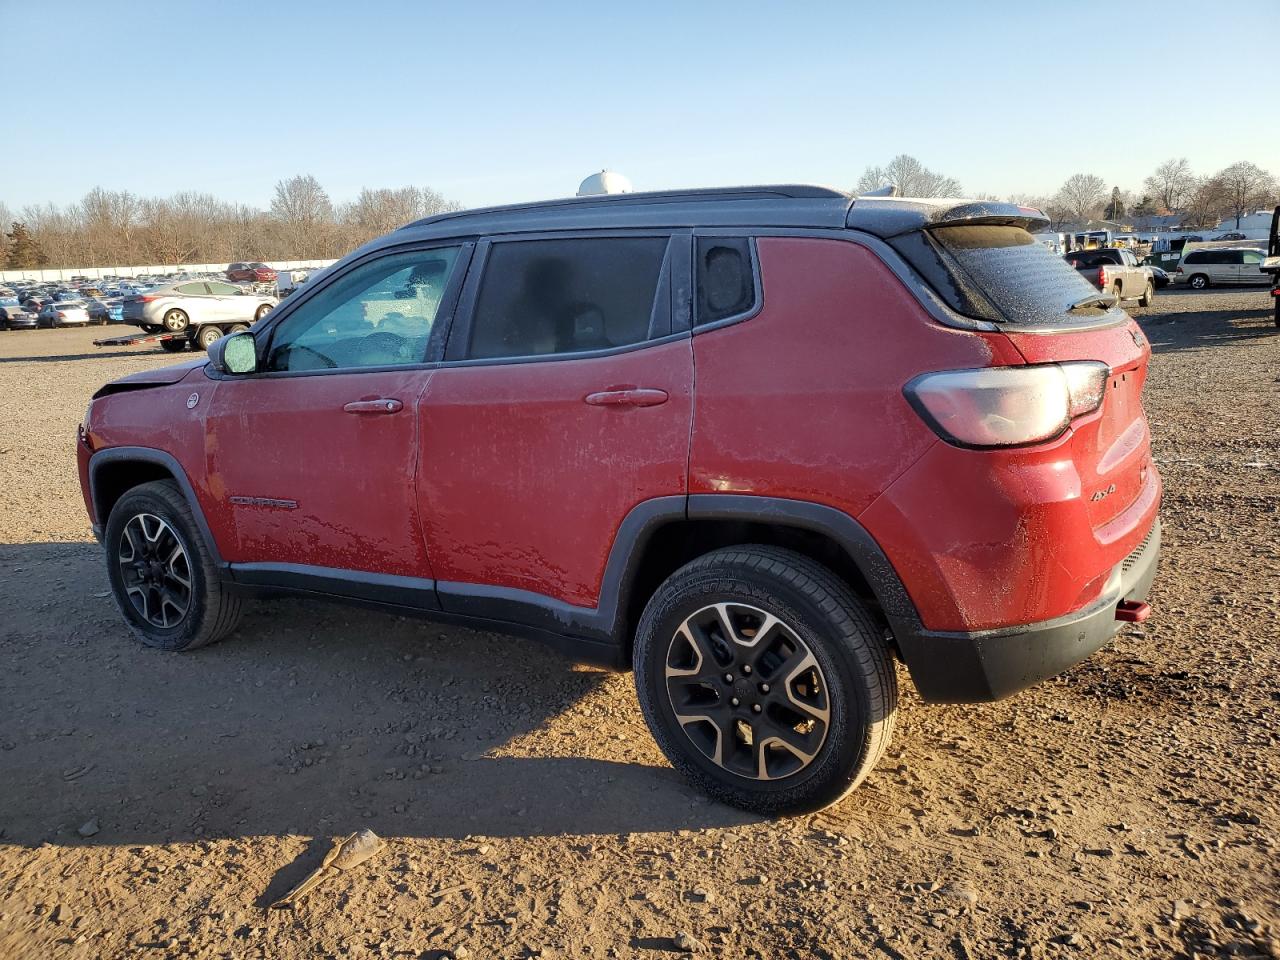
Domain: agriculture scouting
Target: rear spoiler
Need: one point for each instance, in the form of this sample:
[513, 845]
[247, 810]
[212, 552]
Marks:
[891, 216]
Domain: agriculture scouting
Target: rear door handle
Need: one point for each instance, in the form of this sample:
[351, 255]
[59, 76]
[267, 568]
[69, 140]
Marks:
[628, 397]
[381, 405]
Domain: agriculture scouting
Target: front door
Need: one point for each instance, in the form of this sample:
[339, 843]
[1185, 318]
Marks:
[313, 458]
[566, 400]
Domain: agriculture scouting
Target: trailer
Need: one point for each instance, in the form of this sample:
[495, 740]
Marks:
[171, 342]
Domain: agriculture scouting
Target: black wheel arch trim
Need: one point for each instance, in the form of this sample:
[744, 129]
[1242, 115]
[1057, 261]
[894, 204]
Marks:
[852, 537]
[158, 457]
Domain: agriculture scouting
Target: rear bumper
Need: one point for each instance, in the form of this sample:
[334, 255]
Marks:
[950, 667]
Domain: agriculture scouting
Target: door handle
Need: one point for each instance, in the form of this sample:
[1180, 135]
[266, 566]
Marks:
[382, 405]
[627, 397]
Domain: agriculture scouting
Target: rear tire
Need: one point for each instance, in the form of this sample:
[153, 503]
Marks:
[1148, 295]
[175, 321]
[262, 311]
[1198, 281]
[808, 667]
[1115, 292]
[147, 574]
[238, 328]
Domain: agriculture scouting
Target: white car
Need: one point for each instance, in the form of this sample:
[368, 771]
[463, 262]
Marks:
[177, 307]
[63, 313]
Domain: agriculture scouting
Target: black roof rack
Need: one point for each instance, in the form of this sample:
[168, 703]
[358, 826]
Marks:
[787, 191]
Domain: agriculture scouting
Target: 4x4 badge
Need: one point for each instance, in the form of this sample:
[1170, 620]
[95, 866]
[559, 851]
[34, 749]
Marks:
[193, 400]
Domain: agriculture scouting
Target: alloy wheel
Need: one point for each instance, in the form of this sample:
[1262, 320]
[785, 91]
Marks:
[155, 570]
[747, 691]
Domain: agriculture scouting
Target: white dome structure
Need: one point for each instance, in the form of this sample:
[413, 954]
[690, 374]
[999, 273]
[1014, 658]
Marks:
[606, 181]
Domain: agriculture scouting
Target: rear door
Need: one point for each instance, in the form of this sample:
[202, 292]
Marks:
[314, 457]
[564, 402]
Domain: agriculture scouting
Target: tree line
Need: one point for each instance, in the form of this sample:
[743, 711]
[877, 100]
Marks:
[118, 228]
[1174, 188]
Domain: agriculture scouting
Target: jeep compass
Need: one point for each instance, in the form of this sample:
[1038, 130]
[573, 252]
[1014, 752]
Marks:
[757, 444]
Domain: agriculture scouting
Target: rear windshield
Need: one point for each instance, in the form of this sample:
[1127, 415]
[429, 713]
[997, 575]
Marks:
[1001, 274]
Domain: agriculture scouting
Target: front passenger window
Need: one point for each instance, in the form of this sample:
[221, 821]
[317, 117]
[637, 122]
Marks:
[381, 313]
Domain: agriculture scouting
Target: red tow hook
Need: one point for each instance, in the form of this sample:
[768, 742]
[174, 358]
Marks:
[1133, 611]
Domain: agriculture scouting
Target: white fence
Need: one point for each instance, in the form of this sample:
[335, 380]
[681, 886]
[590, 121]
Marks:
[95, 272]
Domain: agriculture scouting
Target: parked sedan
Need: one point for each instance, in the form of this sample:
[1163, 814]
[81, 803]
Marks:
[63, 313]
[13, 316]
[177, 307]
[106, 310]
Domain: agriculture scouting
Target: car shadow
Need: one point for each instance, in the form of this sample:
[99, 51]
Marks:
[1170, 331]
[312, 719]
[105, 353]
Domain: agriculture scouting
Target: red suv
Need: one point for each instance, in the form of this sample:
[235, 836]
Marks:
[756, 443]
[250, 273]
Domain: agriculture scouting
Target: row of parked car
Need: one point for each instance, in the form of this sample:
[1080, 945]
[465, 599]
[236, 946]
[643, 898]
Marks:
[176, 303]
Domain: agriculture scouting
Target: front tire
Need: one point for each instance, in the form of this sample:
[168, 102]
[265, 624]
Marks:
[162, 574]
[208, 336]
[764, 680]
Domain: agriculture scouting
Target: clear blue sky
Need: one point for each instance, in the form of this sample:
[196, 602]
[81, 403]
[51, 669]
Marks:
[498, 102]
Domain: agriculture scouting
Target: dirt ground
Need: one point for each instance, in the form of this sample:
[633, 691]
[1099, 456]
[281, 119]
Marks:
[1129, 808]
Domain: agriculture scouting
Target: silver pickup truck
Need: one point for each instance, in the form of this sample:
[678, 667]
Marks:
[1116, 271]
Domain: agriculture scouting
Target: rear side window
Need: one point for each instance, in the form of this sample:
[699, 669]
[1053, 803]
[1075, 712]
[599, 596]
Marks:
[1194, 258]
[1001, 274]
[547, 297]
[726, 281]
[193, 289]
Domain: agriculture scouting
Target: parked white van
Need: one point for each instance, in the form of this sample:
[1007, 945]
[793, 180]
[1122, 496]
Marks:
[1206, 267]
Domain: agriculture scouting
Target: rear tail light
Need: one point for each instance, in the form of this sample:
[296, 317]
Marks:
[1007, 406]
[1102, 276]
[145, 299]
[60, 315]
[1179, 270]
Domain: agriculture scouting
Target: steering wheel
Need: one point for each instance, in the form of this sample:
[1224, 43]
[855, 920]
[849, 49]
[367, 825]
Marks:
[384, 342]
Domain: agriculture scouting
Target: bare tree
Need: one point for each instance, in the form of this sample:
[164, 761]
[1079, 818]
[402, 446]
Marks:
[1081, 197]
[911, 177]
[1245, 188]
[304, 213]
[1172, 184]
[1205, 204]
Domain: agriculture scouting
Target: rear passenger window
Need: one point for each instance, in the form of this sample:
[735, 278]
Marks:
[726, 281]
[193, 289]
[545, 297]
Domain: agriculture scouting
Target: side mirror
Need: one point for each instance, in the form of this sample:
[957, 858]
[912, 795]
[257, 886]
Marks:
[237, 353]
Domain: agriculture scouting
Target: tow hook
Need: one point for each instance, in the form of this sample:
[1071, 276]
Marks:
[1133, 611]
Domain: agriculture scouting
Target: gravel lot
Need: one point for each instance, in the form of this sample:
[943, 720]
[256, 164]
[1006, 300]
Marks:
[1126, 809]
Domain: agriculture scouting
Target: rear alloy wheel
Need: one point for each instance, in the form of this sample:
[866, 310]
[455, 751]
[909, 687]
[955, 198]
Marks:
[175, 321]
[1148, 295]
[208, 336]
[1115, 292]
[262, 312]
[1198, 282]
[764, 680]
[162, 576]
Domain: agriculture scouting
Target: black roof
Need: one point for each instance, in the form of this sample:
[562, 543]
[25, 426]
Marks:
[774, 205]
